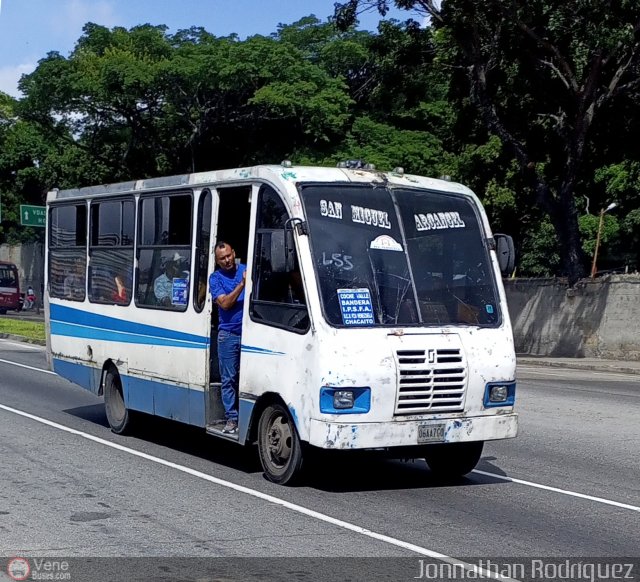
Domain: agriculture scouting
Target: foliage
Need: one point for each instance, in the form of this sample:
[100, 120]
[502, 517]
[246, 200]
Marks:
[538, 254]
[388, 147]
[546, 78]
[532, 104]
[589, 231]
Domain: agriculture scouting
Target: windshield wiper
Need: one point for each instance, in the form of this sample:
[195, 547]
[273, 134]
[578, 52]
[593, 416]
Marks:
[379, 277]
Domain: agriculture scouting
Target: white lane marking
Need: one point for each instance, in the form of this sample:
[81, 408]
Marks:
[238, 487]
[23, 345]
[27, 367]
[481, 572]
[558, 490]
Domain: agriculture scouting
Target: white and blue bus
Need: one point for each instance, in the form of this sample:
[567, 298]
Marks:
[374, 313]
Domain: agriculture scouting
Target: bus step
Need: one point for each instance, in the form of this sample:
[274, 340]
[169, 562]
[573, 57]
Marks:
[216, 430]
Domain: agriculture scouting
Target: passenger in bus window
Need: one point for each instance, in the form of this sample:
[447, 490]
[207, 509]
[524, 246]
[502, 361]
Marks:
[74, 282]
[120, 293]
[163, 285]
[227, 291]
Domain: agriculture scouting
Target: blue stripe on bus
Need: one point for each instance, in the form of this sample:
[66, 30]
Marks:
[256, 350]
[68, 321]
[166, 400]
[150, 396]
[72, 322]
[79, 331]
[85, 376]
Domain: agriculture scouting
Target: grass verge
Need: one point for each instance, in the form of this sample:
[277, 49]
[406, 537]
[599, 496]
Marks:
[30, 329]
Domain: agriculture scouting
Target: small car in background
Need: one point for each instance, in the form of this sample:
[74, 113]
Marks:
[9, 288]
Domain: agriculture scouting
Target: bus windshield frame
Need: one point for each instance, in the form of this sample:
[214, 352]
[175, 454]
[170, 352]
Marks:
[392, 256]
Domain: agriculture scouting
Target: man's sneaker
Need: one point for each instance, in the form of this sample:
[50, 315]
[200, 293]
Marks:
[231, 427]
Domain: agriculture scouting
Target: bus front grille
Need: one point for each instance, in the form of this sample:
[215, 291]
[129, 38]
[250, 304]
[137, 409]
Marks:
[430, 381]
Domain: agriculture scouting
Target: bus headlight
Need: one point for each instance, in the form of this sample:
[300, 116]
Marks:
[343, 399]
[334, 400]
[499, 394]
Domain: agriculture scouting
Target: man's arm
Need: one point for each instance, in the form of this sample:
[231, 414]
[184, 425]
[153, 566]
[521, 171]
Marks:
[229, 300]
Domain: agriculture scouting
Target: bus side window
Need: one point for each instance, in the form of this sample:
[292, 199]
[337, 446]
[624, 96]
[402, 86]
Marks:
[111, 228]
[278, 298]
[203, 237]
[67, 251]
[164, 251]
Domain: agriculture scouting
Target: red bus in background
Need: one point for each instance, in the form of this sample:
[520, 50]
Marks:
[9, 287]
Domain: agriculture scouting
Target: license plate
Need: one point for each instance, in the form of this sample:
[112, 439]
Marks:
[431, 433]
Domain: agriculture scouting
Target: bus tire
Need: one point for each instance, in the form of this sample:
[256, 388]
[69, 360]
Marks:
[279, 445]
[453, 460]
[119, 416]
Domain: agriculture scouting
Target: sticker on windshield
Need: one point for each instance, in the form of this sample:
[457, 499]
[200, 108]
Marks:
[370, 216]
[385, 243]
[438, 221]
[331, 209]
[179, 291]
[356, 306]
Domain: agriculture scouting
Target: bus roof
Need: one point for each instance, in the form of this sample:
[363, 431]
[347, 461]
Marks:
[270, 173]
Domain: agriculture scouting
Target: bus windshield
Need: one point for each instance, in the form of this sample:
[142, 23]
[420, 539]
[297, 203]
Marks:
[388, 256]
[8, 276]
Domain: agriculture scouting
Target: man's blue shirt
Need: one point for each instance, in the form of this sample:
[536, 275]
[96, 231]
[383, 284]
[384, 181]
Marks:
[223, 282]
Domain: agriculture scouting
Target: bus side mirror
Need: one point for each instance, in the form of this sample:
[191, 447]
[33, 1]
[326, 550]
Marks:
[506, 253]
[281, 251]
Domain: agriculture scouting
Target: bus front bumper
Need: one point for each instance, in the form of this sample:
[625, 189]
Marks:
[400, 433]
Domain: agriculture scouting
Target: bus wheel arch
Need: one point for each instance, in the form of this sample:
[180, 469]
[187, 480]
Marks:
[264, 400]
[120, 418]
[103, 374]
[279, 446]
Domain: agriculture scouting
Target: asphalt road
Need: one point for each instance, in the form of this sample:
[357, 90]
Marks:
[567, 487]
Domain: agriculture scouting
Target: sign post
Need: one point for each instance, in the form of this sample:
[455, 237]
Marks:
[33, 215]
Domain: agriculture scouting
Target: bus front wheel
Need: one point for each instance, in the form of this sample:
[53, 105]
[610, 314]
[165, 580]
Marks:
[119, 416]
[453, 460]
[279, 446]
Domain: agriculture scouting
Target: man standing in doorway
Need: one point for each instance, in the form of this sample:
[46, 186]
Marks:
[227, 291]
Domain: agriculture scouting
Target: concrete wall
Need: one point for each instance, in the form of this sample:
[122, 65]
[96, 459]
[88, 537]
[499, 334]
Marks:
[598, 318]
[29, 258]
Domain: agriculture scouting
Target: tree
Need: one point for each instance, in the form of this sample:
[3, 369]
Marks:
[541, 74]
[145, 103]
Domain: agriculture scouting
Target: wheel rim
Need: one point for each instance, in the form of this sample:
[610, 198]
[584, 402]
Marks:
[279, 440]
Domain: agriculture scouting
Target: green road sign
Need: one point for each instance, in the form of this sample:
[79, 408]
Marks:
[33, 215]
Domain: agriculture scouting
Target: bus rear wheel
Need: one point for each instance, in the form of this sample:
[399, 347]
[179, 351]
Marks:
[453, 460]
[119, 416]
[279, 446]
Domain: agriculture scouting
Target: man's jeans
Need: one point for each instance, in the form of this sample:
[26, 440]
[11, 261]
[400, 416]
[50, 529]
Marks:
[229, 358]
